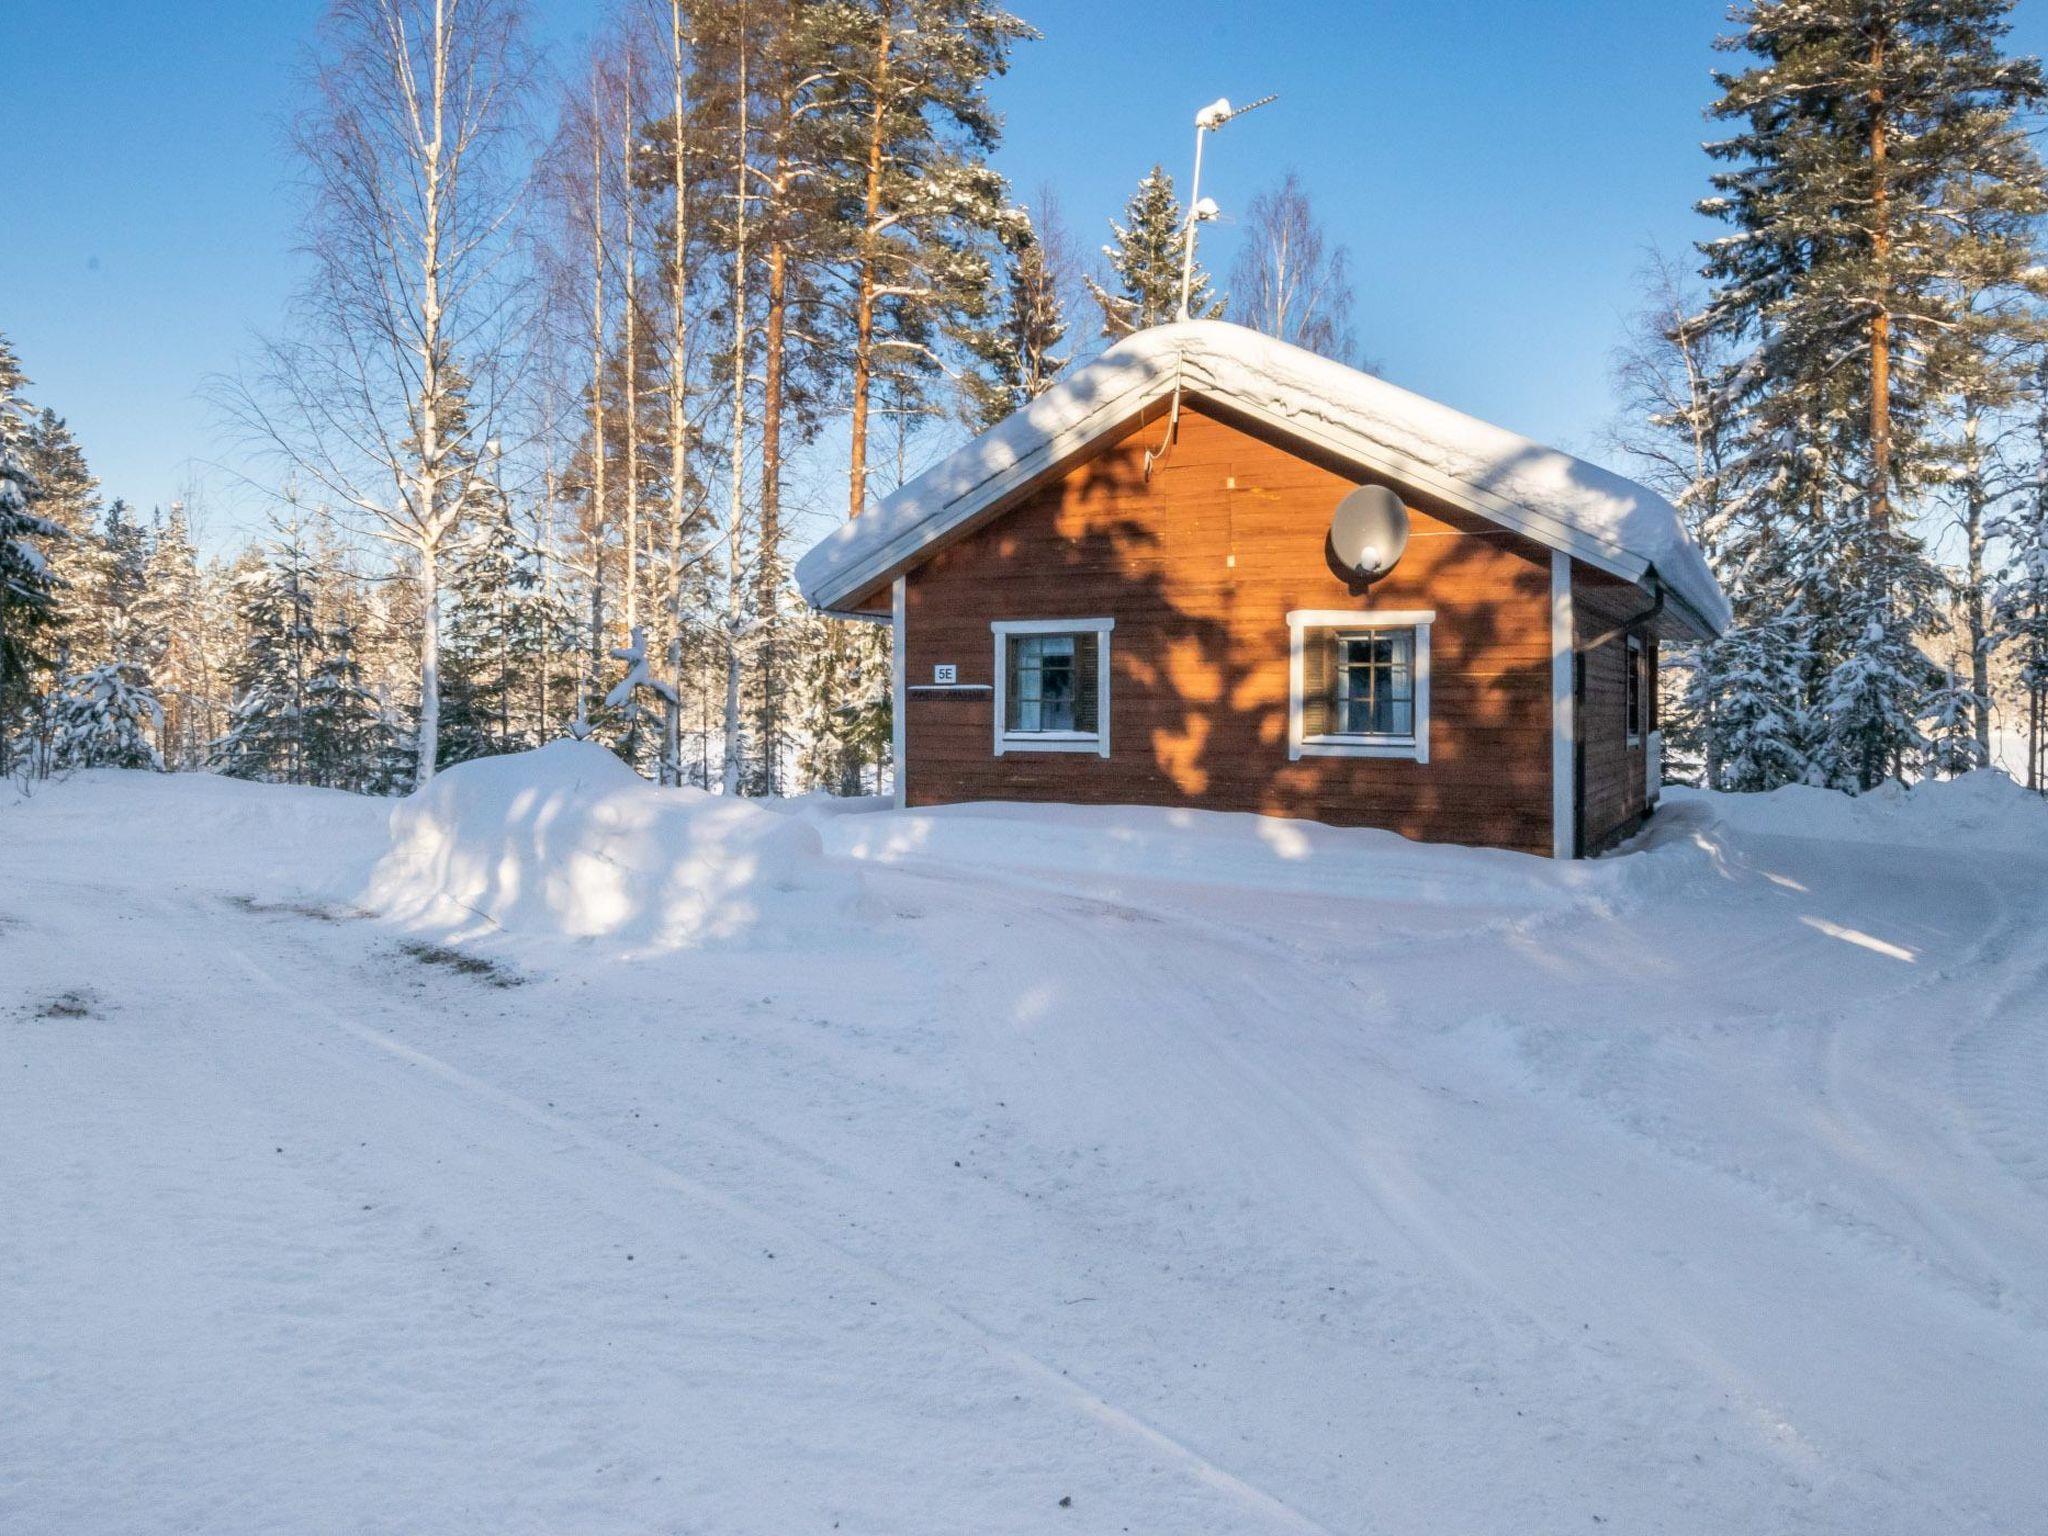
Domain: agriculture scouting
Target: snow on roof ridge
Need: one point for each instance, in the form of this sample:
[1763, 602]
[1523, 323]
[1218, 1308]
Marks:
[1554, 497]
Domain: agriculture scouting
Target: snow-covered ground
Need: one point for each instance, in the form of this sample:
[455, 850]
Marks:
[647, 1163]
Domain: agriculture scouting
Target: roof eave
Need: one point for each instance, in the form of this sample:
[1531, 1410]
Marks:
[905, 551]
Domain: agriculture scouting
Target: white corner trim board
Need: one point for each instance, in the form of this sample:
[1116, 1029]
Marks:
[1564, 799]
[899, 726]
[1636, 685]
[1006, 740]
[1299, 623]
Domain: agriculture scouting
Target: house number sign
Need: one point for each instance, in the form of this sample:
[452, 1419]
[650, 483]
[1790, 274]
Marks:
[945, 673]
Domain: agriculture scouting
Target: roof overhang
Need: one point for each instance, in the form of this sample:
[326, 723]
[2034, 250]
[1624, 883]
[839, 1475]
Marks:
[992, 474]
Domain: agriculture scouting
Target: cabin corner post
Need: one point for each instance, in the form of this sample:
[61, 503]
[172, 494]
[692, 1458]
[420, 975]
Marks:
[1564, 806]
[899, 724]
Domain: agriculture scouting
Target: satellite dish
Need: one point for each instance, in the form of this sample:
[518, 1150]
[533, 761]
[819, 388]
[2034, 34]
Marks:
[1369, 530]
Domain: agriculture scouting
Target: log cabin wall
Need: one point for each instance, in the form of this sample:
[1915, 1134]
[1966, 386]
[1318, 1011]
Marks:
[1615, 770]
[1199, 567]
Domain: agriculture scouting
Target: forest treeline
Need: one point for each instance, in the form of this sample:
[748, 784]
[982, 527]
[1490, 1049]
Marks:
[584, 355]
[578, 361]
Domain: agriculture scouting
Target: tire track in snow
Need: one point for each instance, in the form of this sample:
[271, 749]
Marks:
[2000, 1068]
[961, 1325]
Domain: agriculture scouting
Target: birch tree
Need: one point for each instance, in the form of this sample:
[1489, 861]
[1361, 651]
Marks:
[1288, 280]
[386, 390]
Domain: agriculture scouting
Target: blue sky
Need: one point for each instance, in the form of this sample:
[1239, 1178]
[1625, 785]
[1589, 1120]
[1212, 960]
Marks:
[1497, 170]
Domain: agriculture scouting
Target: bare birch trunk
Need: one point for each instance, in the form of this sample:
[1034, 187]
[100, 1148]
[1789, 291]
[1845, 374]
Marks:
[429, 492]
[678, 421]
[1976, 617]
[600, 524]
[430, 659]
[629, 278]
[735, 590]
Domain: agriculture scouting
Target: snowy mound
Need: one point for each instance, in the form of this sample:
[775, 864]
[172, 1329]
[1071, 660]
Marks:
[568, 841]
[1980, 810]
[1221, 850]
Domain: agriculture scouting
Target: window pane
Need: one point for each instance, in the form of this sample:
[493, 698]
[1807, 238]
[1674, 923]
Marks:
[1042, 678]
[1376, 683]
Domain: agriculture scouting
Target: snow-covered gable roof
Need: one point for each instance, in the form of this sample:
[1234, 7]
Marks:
[1564, 502]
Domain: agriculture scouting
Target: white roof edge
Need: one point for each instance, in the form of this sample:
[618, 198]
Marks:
[1549, 496]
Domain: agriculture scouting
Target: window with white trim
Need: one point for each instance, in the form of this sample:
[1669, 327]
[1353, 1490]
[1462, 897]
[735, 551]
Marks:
[1358, 684]
[1635, 690]
[1052, 685]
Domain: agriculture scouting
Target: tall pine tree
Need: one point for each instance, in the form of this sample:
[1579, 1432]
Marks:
[1861, 128]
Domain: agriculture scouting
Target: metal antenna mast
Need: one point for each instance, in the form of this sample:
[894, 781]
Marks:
[1208, 120]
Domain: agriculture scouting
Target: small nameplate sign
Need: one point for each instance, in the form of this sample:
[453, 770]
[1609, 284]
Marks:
[951, 690]
[945, 674]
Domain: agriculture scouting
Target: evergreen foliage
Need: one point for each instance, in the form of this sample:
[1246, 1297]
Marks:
[1021, 355]
[280, 651]
[1145, 259]
[1866, 133]
[107, 717]
[28, 586]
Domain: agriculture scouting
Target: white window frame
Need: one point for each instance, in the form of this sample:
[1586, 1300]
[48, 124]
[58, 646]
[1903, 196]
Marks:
[1634, 683]
[1006, 740]
[1299, 624]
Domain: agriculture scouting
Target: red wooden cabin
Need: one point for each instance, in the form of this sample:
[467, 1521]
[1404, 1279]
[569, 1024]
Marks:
[1128, 592]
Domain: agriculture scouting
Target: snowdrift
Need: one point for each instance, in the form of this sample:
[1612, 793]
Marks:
[1984, 810]
[567, 841]
[1220, 849]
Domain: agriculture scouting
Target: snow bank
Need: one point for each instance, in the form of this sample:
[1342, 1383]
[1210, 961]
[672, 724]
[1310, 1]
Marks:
[1980, 810]
[1223, 849]
[569, 842]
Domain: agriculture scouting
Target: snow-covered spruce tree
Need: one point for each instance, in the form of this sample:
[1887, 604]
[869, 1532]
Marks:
[341, 738]
[1681, 427]
[275, 590]
[1021, 355]
[497, 642]
[170, 619]
[107, 717]
[108, 580]
[393, 757]
[28, 589]
[1950, 728]
[1145, 260]
[844, 708]
[1860, 126]
[2019, 608]
[626, 697]
[69, 497]
[1754, 701]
